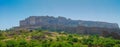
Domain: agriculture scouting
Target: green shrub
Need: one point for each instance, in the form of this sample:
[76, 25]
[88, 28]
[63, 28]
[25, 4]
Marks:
[11, 43]
[116, 45]
[60, 44]
[22, 43]
[79, 45]
[74, 39]
[2, 44]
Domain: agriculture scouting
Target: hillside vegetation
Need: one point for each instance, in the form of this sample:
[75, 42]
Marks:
[44, 38]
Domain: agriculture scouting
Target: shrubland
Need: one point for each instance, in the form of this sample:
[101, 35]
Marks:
[46, 38]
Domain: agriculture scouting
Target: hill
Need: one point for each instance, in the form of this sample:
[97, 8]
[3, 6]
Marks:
[45, 38]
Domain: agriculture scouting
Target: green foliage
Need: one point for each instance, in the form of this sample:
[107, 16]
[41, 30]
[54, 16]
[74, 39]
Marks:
[117, 45]
[11, 43]
[23, 43]
[75, 40]
[2, 36]
[43, 38]
[60, 44]
[2, 44]
[79, 45]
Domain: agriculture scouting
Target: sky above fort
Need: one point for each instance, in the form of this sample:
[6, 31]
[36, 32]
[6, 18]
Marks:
[12, 11]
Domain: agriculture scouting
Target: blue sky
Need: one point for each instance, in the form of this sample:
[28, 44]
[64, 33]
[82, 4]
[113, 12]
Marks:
[12, 11]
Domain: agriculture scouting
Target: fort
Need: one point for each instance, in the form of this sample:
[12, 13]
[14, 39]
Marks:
[68, 25]
[49, 20]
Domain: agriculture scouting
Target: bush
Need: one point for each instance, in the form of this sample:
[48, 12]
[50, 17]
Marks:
[74, 39]
[60, 44]
[2, 44]
[11, 43]
[117, 45]
[79, 45]
[22, 43]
